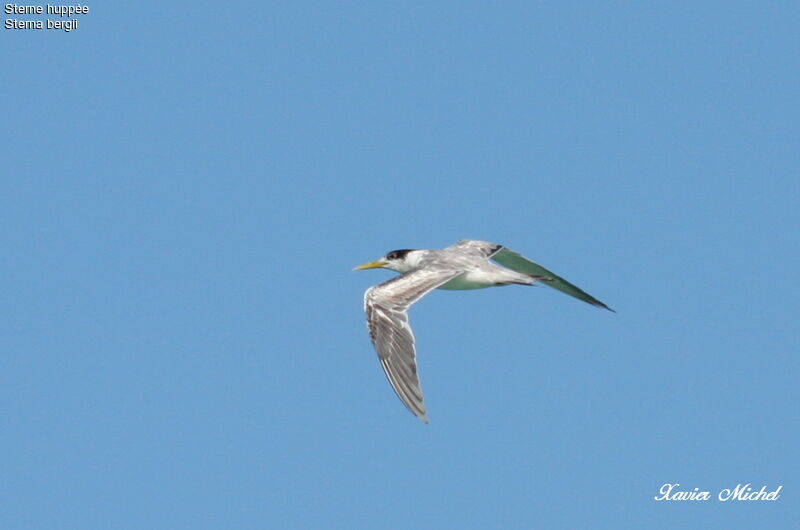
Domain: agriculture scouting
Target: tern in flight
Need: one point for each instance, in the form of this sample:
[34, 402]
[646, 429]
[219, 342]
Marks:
[465, 265]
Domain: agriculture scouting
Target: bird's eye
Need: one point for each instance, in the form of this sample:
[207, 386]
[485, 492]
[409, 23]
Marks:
[392, 255]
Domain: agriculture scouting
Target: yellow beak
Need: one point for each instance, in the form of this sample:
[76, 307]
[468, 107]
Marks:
[371, 265]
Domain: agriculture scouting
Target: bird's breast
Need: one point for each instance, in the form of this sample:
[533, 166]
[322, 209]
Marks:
[470, 280]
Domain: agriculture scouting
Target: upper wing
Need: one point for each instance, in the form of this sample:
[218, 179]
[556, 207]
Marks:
[484, 249]
[386, 305]
[519, 263]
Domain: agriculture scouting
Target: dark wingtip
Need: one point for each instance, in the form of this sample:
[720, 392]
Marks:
[604, 306]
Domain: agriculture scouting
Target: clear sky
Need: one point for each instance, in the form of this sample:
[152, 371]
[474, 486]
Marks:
[187, 185]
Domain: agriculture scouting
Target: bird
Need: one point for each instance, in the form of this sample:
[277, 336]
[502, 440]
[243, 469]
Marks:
[468, 264]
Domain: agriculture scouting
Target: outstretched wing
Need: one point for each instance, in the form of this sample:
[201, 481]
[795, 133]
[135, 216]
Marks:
[386, 307]
[520, 263]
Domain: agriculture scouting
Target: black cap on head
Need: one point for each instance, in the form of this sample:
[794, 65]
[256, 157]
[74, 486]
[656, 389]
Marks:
[398, 254]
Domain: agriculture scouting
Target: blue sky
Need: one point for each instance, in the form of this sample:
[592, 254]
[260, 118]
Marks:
[188, 185]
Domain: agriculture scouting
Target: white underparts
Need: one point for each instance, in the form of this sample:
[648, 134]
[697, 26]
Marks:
[481, 278]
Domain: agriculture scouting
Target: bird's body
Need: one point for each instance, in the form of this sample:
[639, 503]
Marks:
[486, 275]
[462, 266]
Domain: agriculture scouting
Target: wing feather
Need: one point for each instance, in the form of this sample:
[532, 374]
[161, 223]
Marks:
[386, 307]
[519, 263]
[484, 249]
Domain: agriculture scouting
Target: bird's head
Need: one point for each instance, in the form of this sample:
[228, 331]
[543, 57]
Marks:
[402, 260]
